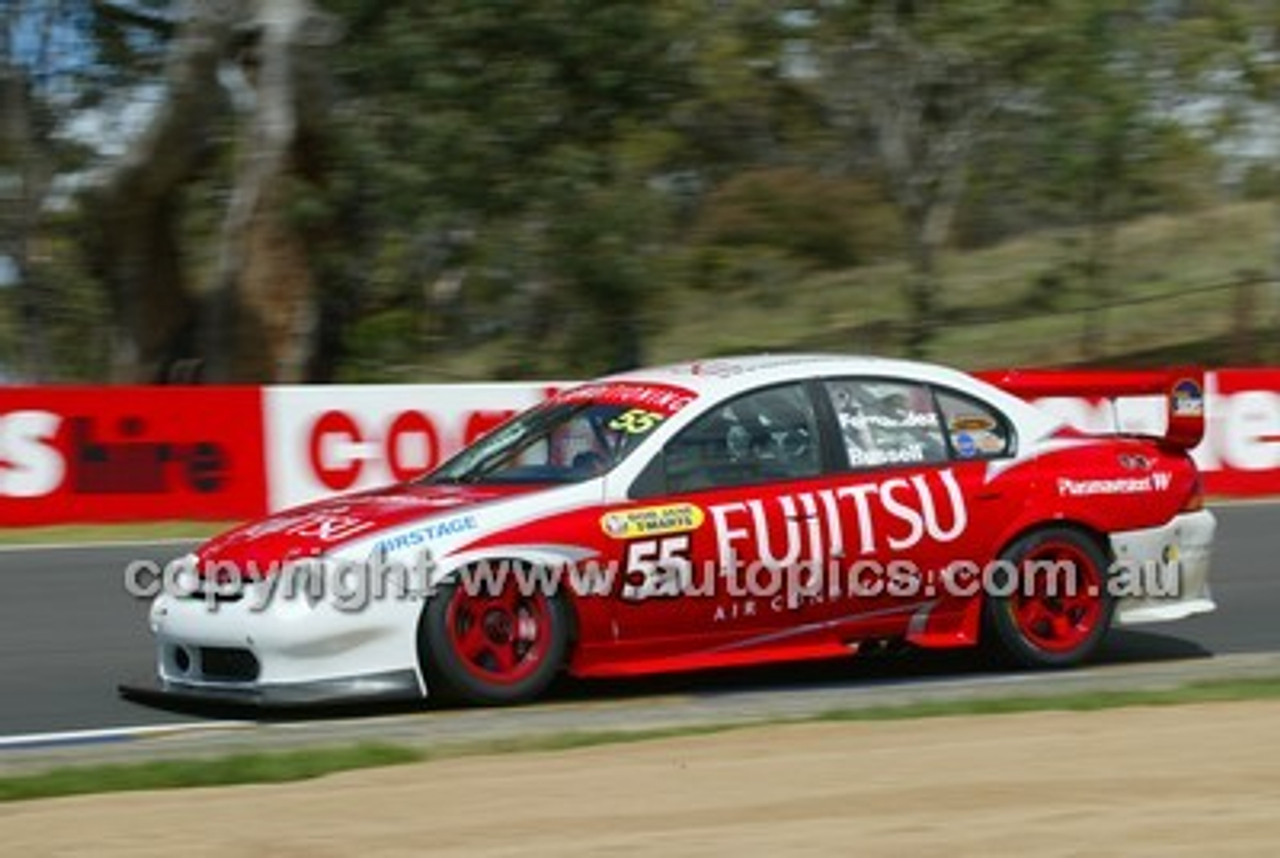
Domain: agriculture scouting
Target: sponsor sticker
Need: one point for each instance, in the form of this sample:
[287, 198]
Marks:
[989, 442]
[858, 519]
[1187, 399]
[1134, 462]
[972, 423]
[652, 520]
[1158, 481]
[427, 533]
[662, 399]
[330, 526]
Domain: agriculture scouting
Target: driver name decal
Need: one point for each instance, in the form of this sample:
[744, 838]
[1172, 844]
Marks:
[908, 454]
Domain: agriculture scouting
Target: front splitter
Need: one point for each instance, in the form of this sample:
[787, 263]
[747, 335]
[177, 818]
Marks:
[391, 687]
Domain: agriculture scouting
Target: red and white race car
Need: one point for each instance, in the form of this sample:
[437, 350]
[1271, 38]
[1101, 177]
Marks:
[725, 512]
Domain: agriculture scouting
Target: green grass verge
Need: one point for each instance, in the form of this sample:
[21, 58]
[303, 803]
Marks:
[250, 768]
[284, 766]
[71, 534]
[1215, 691]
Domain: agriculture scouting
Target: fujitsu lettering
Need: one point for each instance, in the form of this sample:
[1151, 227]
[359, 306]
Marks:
[787, 530]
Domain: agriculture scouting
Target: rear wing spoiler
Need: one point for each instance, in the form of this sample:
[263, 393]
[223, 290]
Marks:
[1182, 390]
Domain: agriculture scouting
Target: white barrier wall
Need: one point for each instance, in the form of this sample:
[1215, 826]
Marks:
[322, 440]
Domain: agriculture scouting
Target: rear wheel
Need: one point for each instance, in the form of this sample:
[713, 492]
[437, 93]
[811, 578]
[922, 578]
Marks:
[1057, 608]
[492, 648]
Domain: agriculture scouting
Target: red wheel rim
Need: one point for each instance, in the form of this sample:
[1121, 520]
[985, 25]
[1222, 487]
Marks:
[500, 639]
[1062, 619]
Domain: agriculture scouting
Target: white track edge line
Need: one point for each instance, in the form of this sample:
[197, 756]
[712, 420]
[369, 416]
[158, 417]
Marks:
[106, 734]
[77, 546]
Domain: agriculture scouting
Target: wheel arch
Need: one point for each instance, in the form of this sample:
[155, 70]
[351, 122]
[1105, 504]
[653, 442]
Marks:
[989, 634]
[448, 574]
[1094, 533]
[464, 677]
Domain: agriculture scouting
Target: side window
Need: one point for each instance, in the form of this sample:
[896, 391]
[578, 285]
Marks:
[974, 429]
[762, 436]
[886, 423]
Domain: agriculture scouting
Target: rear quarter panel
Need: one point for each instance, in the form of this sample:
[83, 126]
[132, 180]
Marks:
[1109, 484]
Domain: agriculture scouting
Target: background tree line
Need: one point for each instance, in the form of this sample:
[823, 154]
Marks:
[290, 190]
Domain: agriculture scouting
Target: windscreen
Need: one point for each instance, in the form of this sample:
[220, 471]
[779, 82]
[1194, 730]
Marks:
[579, 434]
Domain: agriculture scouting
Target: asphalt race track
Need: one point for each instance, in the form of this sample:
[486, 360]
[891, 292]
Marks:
[69, 633]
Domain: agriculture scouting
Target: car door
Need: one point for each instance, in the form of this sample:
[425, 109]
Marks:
[898, 511]
[913, 500]
[726, 512]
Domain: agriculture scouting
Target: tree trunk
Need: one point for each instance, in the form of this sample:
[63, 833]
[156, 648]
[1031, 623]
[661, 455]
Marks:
[29, 179]
[263, 321]
[926, 109]
[255, 319]
[1274, 317]
[928, 226]
[922, 287]
[1100, 243]
[1093, 343]
[132, 241]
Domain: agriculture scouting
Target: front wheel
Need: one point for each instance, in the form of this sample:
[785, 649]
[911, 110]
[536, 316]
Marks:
[1056, 608]
[492, 648]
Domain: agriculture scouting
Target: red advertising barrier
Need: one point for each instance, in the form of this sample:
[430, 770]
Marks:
[1240, 453]
[139, 454]
[130, 454]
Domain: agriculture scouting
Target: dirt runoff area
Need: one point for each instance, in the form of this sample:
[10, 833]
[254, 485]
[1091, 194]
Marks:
[1190, 780]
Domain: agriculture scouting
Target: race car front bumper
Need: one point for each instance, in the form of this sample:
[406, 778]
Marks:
[290, 653]
[1163, 572]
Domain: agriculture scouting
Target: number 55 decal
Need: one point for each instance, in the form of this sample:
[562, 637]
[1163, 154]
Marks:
[657, 568]
[637, 421]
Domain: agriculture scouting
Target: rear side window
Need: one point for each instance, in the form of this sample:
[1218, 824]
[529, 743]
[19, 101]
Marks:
[887, 423]
[974, 429]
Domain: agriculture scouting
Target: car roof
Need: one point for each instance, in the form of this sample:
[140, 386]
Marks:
[728, 374]
[724, 376]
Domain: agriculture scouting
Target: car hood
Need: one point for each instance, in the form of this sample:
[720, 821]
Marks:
[258, 549]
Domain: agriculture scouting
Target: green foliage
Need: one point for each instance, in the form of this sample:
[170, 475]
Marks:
[1261, 182]
[1222, 691]
[379, 343]
[470, 103]
[538, 180]
[817, 220]
[532, 131]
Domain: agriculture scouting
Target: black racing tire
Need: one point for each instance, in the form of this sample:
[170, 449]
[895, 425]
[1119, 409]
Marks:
[491, 650]
[1026, 623]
